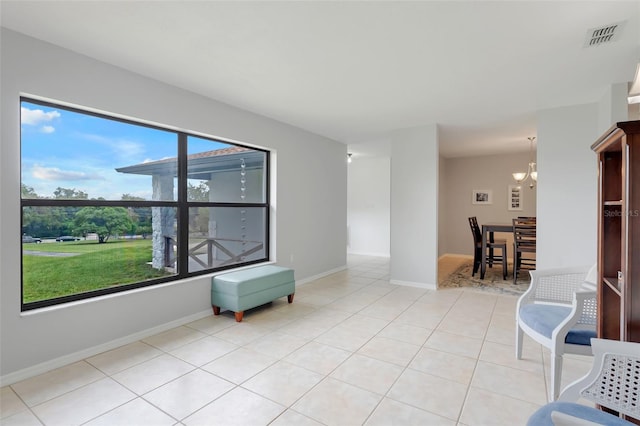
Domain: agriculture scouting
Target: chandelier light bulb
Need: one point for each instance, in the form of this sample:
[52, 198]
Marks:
[532, 170]
[519, 176]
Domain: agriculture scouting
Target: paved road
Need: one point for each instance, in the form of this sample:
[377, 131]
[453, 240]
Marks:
[49, 253]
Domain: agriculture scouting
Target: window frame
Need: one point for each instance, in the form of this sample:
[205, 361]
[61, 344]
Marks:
[182, 206]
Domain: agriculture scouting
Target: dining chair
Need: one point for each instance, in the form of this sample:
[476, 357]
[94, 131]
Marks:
[612, 384]
[492, 244]
[528, 218]
[558, 311]
[524, 242]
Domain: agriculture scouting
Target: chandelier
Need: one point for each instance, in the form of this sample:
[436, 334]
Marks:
[532, 170]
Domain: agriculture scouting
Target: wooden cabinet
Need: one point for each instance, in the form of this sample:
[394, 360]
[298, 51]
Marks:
[618, 153]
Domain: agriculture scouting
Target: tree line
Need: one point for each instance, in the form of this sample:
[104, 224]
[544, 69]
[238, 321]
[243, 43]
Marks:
[54, 221]
[105, 222]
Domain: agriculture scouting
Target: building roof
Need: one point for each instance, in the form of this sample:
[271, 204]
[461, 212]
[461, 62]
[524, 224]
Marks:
[202, 164]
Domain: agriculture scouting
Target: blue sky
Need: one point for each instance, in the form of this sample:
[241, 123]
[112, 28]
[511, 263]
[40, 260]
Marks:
[72, 150]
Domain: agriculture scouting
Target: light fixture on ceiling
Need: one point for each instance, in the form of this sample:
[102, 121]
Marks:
[349, 158]
[532, 170]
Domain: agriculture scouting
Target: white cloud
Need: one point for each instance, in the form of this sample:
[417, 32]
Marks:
[150, 160]
[54, 173]
[94, 138]
[47, 129]
[36, 116]
[128, 149]
[123, 148]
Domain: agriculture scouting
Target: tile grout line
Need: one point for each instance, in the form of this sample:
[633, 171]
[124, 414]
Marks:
[363, 270]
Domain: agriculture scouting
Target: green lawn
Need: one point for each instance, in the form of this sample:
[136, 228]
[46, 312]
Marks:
[97, 266]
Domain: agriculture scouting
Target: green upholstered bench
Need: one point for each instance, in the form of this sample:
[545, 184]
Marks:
[246, 289]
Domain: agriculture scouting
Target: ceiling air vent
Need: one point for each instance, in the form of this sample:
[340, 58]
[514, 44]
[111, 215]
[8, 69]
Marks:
[602, 35]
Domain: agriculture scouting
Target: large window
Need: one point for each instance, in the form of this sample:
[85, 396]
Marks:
[110, 205]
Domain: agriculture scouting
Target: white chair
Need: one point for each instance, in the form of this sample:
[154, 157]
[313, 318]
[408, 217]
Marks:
[612, 383]
[559, 312]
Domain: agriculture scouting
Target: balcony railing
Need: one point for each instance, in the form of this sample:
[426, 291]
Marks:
[208, 259]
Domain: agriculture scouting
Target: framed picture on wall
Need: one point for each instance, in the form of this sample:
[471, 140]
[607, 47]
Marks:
[514, 197]
[482, 196]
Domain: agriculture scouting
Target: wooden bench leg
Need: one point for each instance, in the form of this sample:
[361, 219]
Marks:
[216, 310]
[290, 297]
[239, 316]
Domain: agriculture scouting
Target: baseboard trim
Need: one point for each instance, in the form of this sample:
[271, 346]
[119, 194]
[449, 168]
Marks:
[41, 368]
[360, 253]
[414, 284]
[46, 366]
[321, 275]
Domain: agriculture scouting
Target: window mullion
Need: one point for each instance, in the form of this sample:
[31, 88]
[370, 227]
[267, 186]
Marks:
[183, 207]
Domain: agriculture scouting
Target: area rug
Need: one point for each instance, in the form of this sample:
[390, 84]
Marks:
[492, 282]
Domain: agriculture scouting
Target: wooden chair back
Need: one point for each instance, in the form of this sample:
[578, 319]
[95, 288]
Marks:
[524, 235]
[475, 230]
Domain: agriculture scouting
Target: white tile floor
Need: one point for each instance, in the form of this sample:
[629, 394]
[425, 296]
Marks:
[352, 349]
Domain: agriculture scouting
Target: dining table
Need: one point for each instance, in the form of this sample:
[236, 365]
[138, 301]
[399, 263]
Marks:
[487, 232]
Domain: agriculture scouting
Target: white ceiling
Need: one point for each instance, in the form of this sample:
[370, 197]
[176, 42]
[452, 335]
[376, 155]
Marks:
[354, 71]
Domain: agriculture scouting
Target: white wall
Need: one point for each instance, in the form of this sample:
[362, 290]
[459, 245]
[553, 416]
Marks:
[368, 206]
[443, 222]
[567, 186]
[414, 207]
[568, 177]
[309, 201]
[613, 106]
[491, 172]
